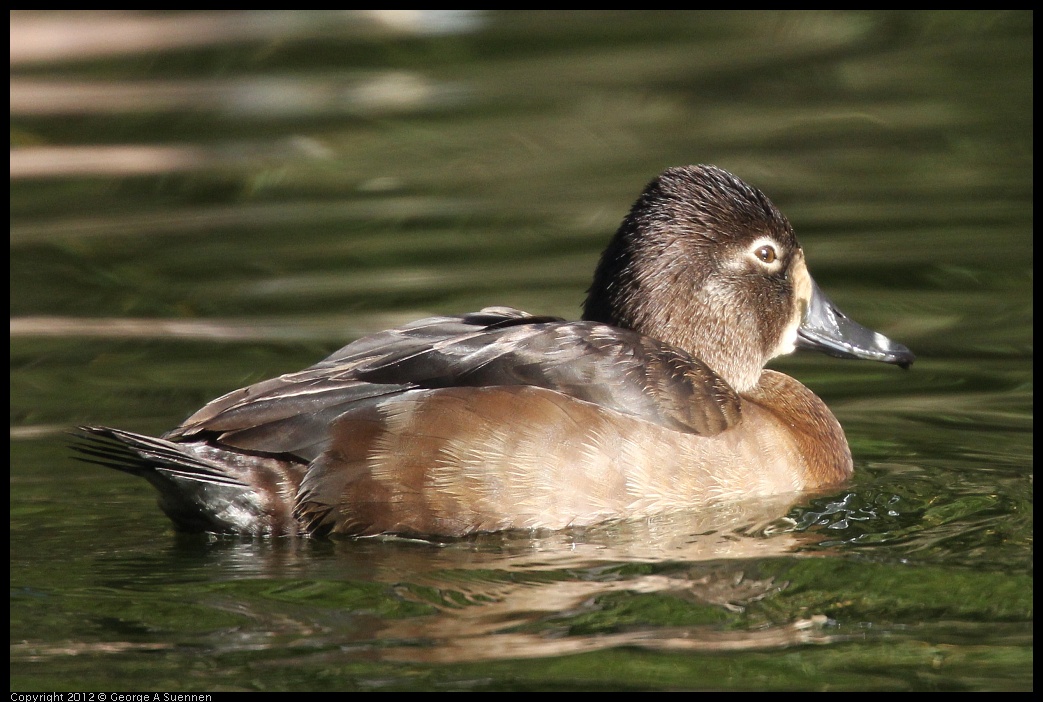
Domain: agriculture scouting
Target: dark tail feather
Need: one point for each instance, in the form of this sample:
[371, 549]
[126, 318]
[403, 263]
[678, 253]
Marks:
[141, 455]
[202, 487]
[102, 449]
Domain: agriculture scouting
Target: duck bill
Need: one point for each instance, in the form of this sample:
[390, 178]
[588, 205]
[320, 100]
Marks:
[825, 328]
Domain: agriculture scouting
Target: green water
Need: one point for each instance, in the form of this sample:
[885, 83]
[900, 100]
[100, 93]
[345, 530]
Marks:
[313, 177]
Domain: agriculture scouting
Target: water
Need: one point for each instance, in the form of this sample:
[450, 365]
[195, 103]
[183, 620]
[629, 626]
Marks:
[200, 201]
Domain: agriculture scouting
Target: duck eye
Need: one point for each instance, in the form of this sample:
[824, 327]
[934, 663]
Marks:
[766, 254]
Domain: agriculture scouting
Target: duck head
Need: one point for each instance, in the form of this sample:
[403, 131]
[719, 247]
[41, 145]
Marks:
[707, 263]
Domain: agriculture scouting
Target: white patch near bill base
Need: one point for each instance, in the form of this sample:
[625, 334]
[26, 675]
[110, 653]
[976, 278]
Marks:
[788, 342]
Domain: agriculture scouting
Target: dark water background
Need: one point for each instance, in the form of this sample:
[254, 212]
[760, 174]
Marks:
[203, 200]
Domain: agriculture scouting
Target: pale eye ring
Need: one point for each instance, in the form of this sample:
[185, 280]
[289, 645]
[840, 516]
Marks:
[766, 254]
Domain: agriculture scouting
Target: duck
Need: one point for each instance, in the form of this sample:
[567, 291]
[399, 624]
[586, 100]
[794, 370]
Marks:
[656, 401]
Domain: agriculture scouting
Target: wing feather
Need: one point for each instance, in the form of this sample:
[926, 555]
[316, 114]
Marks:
[615, 368]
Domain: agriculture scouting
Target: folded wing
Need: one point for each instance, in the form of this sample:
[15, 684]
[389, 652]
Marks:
[614, 368]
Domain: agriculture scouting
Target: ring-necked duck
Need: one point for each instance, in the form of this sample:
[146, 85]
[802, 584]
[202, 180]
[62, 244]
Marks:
[657, 400]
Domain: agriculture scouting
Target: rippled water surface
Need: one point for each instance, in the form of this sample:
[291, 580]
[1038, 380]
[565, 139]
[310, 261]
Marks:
[201, 201]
